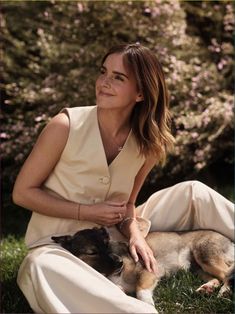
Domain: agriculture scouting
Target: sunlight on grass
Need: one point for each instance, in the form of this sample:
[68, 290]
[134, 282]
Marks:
[12, 252]
[177, 295]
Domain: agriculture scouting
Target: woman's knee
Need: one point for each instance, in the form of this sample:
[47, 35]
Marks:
[195, 190]
[200, 190]
[37, 258]
[195, 186]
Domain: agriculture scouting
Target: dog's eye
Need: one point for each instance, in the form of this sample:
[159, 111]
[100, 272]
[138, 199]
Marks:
[91, 253]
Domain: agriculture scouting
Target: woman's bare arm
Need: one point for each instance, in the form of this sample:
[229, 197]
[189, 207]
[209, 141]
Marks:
[139, 181]
[137, 244]
[46, 152]
[28, 191]
[130, 227]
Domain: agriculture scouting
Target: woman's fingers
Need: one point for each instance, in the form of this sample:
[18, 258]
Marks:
[153, 264]
[110, 213]
[117, 208]
[112, 218]
[150, 261]
[134, 253]
[147, 257]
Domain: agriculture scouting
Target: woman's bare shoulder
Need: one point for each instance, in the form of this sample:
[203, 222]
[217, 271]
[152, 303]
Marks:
[58, 126]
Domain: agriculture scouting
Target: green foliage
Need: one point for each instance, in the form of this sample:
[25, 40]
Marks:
[12, 253]
[213, 21]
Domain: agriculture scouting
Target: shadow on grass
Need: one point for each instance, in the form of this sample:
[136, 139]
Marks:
[13, 301]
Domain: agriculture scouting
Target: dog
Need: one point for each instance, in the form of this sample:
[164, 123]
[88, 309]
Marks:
[210, 251]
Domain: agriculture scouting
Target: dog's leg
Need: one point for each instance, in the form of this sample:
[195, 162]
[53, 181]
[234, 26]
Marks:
[228, 287]
[218, 269]
[145, 286]
[225, 291]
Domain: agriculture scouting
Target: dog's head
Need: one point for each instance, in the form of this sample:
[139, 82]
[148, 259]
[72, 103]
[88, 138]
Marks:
[93, 246]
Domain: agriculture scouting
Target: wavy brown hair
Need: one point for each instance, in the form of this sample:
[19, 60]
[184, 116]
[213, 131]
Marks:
[150, 117]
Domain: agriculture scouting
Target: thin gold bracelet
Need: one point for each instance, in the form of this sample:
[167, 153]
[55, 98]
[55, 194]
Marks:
[78, 211]
[125, 221]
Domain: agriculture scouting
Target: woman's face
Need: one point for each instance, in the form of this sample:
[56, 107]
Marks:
[116, 87]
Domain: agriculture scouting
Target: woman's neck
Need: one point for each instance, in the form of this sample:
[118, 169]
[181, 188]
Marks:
[113, 121]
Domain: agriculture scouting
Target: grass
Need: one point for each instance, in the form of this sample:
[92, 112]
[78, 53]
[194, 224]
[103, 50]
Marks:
[173, 295]
[177, 295]
[12, 252]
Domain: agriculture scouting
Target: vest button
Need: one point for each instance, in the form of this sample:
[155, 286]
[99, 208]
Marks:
[96, 200]
[105, 180]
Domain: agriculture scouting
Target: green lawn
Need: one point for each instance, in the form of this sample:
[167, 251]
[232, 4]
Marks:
[174, 295]
[12, 253]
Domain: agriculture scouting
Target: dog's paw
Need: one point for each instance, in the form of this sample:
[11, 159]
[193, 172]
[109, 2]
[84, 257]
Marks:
[224, 292]
[208, 287]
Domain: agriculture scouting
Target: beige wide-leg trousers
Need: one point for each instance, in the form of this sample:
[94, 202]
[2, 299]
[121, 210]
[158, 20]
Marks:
[55, 281]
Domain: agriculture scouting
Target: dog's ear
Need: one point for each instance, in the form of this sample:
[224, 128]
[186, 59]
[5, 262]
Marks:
[103, 232]
[62, 239]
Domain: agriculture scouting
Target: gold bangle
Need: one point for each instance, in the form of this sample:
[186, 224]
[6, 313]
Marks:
[78, 211]
[125, 221]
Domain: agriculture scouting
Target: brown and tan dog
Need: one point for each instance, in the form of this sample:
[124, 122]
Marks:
[211, 251]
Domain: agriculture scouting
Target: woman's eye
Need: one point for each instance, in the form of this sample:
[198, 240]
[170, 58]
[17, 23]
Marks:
[118, 77]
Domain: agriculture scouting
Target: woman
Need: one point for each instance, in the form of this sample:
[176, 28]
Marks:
[87, 168]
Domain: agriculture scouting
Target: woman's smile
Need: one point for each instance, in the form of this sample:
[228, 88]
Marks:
[102, 93]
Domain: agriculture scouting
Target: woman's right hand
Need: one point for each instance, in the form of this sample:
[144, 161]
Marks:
[106, 214]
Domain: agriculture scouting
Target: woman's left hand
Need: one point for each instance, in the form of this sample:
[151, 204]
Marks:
[139, 247]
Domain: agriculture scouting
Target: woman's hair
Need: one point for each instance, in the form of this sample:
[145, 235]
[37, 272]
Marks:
[151, 117]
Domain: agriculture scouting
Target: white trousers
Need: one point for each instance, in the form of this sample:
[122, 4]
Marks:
[55, 281]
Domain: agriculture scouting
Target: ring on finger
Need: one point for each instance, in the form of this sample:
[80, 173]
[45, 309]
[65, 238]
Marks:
[120, 215]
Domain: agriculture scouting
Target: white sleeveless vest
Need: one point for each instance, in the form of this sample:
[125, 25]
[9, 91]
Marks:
[82, 175]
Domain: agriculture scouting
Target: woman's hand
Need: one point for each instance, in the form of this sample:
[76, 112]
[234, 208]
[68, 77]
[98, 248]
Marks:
[139, 247]
[106, 214]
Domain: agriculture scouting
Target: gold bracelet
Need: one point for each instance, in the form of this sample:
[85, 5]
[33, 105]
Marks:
[78, 211]
[125, 221]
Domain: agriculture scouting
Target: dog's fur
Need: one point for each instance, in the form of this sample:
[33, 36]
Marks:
[211, 251]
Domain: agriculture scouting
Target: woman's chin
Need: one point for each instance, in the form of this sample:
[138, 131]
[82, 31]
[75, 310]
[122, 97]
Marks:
[104, 105]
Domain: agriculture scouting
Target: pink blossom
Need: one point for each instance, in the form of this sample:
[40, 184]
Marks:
[80, 7]
[194, 135]
[4, 135]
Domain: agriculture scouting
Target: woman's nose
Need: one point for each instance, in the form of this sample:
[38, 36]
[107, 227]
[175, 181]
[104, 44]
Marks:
[106, 81]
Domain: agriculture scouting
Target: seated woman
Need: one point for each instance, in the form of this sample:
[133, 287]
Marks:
[87, 168]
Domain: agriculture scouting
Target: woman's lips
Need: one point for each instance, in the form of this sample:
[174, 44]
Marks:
[104, 94]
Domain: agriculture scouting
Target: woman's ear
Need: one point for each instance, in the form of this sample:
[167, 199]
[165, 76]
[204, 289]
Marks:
[139, 97]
